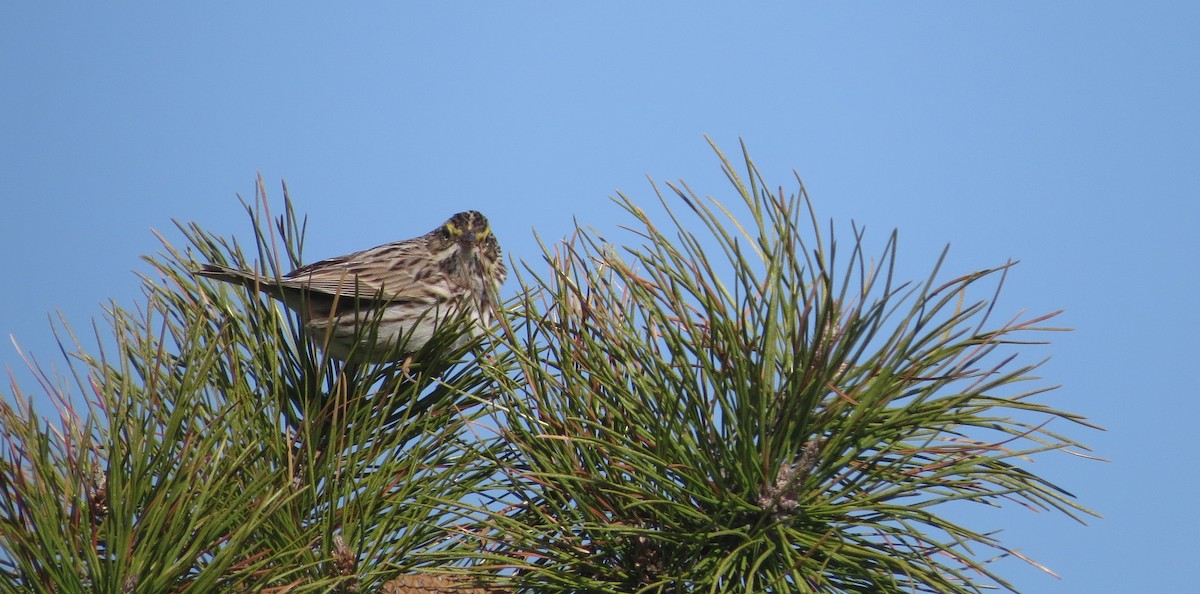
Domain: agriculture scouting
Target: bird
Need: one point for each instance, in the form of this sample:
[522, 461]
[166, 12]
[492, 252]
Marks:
[412, 288]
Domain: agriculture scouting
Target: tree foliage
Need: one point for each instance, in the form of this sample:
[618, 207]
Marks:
[727, 403]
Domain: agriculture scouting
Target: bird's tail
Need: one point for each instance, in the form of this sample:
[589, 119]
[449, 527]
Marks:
[235, 276]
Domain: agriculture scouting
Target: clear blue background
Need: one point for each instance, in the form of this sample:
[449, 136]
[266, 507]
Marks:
[1063, 134]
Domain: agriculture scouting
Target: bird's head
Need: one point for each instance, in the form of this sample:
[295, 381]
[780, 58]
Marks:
[464, 235]
[467, 227]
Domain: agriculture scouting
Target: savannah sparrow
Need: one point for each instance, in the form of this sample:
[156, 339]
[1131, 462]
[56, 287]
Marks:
[411, 287]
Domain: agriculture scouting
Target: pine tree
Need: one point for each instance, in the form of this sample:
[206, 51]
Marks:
[731, 401]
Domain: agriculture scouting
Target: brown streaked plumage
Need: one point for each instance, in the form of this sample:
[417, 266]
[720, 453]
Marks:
[412, 287]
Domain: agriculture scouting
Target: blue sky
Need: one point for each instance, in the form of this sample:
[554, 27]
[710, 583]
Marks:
[1065, 135]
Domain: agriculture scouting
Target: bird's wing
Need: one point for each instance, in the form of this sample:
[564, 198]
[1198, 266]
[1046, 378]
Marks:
[392, 272]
